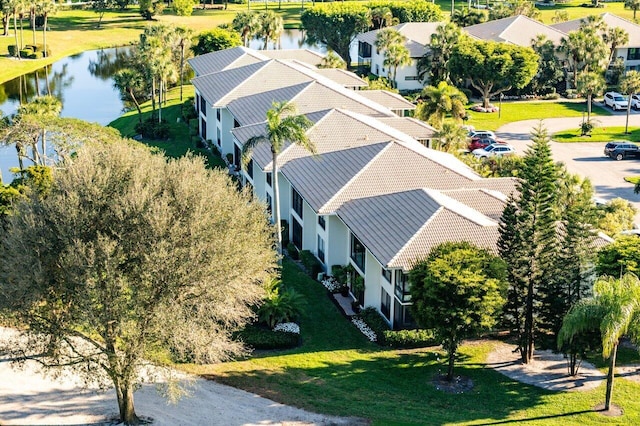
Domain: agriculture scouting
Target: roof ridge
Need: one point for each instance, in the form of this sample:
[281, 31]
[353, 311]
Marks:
[459, 208]
[355, 176]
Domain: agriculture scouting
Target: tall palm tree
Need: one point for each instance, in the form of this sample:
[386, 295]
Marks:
[590, 83]
[440, 100]
[434, 62]
[14, 6]
[614, 309]
[130, 81]
[182, 39]
[247, 24]
[392, 45]
[381, 17]
[46, 8]
[629, 84]
[282, 126]
[633, 5]
[615, 37]
[270, 28]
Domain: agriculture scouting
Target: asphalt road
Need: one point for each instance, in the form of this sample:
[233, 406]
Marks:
[586, 159]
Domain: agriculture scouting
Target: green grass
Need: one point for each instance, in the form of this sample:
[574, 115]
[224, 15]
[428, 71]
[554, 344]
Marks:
[599, 134]
[337, 371]
[180, 142]
[517, 111]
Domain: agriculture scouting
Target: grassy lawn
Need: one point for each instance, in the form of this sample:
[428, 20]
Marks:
[336, 371]
[599, 134]
[180, 142]
[517, 111]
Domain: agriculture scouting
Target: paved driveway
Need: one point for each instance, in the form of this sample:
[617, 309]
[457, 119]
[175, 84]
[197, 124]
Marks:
[586, 159]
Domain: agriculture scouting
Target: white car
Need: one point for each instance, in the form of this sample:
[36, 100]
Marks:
[494, 150]
[635, 101]
[615, 100]
[482, 134]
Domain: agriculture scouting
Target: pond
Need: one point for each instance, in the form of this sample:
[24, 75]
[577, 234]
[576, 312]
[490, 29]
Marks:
[84, 84]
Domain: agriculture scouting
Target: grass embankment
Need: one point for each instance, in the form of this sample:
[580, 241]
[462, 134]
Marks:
[337, 371]
[517, 111]
[599, 134]
[180, 142]
[74, 31]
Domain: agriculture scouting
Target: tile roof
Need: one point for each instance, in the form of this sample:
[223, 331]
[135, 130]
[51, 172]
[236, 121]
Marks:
[418, 36]
[303, 55]
[390, 100]
[215, 86]
[519, 30]
[343, 77]
[308, 97]
[400, 227]
[612, 21]
[415, 128]
[224, 59]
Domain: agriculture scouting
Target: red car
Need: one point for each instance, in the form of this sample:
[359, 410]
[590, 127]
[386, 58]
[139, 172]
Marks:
[477, 143]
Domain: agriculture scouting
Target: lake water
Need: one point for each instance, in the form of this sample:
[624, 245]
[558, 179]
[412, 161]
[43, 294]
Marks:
[84, 84]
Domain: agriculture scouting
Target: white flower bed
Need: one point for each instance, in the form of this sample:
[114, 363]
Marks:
[364, 328]
[331, 284]
[288, 327]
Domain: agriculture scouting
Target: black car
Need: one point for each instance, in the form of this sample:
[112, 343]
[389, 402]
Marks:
[621, 150]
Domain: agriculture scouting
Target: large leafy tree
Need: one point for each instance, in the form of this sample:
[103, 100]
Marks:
[456, 291]
[336, 25]
[492, 67]
[590, 83]
[214, 40]
[122, 259]
[615, 216]
[528, 241]
[550, 71]
[620, 257]
[439, 101]
[101, 7]
[614, 310]
[283, 126]
[629, 84]
[410, 11]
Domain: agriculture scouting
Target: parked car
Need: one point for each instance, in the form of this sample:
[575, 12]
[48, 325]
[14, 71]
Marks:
[615, 100]
[494, 150]
[481, 134]
[622, 150]
[635, 101]
[481, 142]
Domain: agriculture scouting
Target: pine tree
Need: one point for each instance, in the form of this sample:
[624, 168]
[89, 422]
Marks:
[529, 227]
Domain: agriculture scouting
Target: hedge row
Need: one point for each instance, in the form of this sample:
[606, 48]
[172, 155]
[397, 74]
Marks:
[258, 337]
[30, 51]
[396, 338]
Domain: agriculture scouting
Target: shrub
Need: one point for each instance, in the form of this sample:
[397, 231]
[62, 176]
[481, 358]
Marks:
[25, 53]
[339, 273]
[12, 49]
[293, 251]
[36, 55]
[393, 338]
[34, 47]
[193, 126]
[259, 337]
[311, 263]
[151, 129]
[281, 305]
[229, 157]
[284, 225]
[188, 111]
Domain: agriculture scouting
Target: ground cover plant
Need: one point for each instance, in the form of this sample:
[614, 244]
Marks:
[180, 141]
[338, 371]
[598, 134]
[517, 111]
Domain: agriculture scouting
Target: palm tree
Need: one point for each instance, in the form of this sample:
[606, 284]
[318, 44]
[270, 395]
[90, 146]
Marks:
[391, 43]
[614, 309]
[440, 100]
[270, 27]
[589, 84]
[182, 38]
[282, 126]
[381, 17]
[451, 137]
[615, 37]
[633, 5]
[129, 81]
[247, 24]
[14, 6]
[434, 62]
[47, 8]
[629, 85]
[333, 60]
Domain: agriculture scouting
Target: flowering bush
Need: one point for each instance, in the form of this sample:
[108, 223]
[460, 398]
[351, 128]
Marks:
[287, 327]
[364, 328]
[332, 284]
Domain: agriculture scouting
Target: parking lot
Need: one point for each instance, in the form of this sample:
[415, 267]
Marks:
[586, 159]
